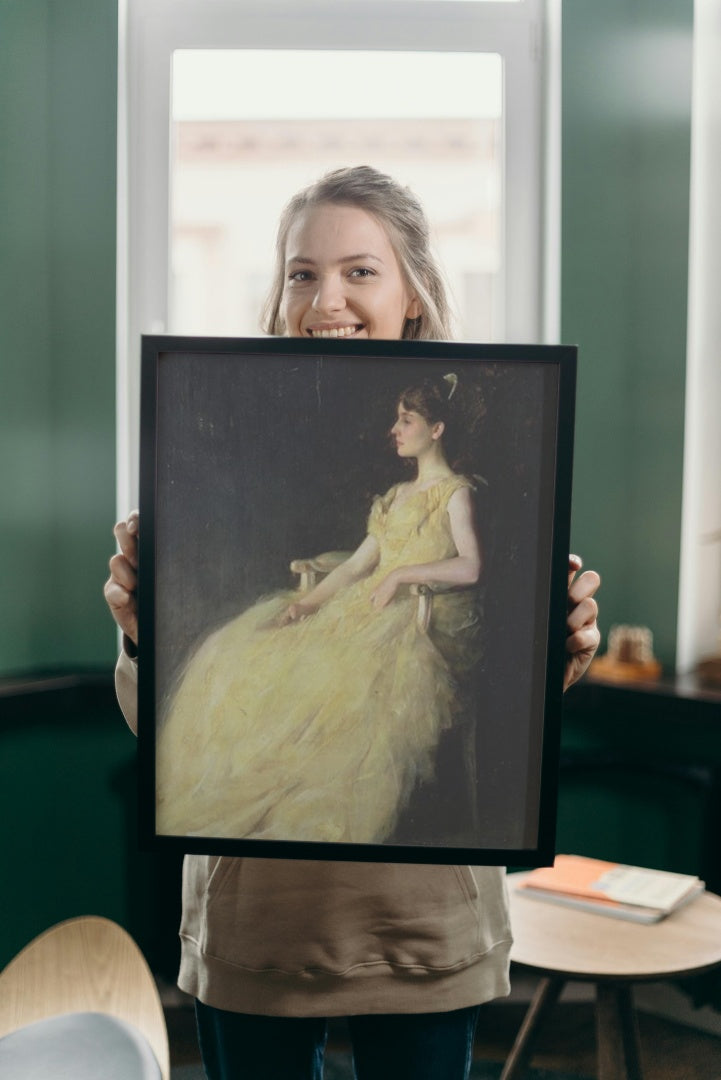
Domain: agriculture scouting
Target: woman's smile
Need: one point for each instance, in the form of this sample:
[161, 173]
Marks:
[335, 331]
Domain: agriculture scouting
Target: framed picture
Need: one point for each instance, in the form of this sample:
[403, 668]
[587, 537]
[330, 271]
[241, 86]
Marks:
[352, 597]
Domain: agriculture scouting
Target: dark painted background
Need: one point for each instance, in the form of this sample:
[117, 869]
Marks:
[262, 458]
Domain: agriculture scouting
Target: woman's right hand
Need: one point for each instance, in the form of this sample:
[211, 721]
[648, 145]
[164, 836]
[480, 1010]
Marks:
[121, 587]
[295, 612]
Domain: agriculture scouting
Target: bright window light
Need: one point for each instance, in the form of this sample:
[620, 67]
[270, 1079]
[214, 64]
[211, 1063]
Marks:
[238, 155]
[222, 84]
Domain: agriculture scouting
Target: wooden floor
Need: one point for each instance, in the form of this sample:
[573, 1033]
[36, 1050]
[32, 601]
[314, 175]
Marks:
[567, 1042]
[669, 1051]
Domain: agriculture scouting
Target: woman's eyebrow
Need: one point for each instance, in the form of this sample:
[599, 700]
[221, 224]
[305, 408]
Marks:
[361, 257]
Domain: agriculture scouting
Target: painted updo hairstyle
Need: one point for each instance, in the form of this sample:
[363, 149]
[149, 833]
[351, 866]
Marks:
[401, 214]
[459, 404]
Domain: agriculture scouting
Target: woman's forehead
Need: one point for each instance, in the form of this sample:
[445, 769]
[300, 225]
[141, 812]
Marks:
[331, 230]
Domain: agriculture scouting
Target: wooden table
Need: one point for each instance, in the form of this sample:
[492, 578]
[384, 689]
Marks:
[563, 944]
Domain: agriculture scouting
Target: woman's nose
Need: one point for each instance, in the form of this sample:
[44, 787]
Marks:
[329, 296]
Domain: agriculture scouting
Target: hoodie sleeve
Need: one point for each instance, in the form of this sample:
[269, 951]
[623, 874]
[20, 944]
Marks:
[126, 688]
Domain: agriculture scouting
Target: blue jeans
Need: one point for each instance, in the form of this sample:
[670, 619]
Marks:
[414, 1046]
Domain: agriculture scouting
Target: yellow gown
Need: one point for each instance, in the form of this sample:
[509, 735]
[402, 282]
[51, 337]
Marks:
[321, 730]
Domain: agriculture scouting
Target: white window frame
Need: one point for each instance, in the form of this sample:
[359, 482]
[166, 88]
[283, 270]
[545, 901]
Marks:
[699, 597]
[526, 34]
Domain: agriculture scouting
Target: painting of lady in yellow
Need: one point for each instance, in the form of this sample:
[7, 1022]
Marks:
[323, 713]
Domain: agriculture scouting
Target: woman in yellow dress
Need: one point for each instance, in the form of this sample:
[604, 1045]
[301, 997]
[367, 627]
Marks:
[322, 715]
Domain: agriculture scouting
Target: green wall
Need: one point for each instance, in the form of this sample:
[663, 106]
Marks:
[67, 774]
[68, 800]
[626, 145]
[58, 72]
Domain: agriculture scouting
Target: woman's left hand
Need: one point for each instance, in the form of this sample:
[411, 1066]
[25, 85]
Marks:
[583, 636]
[384, 593]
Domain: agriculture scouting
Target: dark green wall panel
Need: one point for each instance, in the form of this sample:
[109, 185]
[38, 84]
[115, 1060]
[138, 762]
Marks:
[58, 77]
[641, 777]
[68, 798]
[626, 145]
[64, 790]
[25, 400]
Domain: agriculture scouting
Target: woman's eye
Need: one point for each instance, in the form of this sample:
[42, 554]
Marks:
[362, 272]
[300, 276]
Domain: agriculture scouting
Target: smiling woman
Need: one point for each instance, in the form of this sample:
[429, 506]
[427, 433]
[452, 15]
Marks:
[353, 259]
[271, 946]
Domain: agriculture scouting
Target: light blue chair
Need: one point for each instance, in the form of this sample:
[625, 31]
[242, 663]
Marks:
[79, 1003]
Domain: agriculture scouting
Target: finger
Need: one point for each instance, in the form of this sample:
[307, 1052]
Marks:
[585, 585]
[118, 598]
[123, 572]
[292, 614]
[126, 534]
[575, 562]
[123, 608]
[579, 661]
[584, 641]
[582, 614]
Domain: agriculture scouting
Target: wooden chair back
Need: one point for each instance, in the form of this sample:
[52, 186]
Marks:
[87, 964]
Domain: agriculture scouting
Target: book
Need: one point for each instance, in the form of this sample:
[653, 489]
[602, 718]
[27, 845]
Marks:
[608, 888]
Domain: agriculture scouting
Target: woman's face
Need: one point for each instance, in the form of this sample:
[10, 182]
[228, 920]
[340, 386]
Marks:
[412, 433]
[342, 277]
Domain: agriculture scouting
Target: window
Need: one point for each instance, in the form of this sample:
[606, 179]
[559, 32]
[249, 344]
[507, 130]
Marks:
[227, 107]
[236, 161]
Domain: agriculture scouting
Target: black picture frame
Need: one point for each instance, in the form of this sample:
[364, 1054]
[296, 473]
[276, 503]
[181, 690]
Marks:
[257, 452]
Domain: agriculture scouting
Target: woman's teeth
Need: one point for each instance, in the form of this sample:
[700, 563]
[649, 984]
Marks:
[337, 331]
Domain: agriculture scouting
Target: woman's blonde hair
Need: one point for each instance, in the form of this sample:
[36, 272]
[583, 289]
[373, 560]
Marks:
[403, 217]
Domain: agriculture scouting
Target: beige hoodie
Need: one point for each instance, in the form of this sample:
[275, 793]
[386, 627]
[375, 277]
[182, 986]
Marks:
[284, 937]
